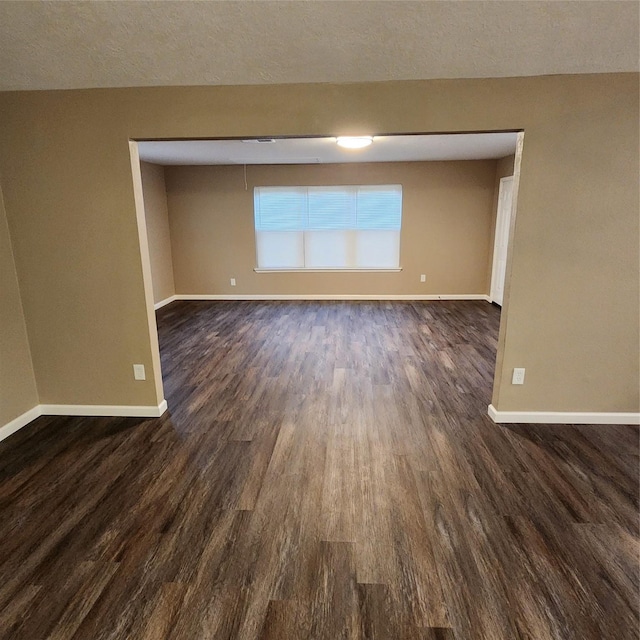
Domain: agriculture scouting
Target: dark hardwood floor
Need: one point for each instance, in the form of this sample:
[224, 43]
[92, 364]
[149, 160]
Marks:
[326, 471]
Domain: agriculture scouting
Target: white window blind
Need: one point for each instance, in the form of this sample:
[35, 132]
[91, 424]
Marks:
[338, 227]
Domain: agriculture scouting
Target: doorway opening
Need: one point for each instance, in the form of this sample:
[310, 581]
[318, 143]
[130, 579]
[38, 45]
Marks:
[201, 240]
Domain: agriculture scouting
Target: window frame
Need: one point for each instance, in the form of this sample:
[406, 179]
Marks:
[303, 229]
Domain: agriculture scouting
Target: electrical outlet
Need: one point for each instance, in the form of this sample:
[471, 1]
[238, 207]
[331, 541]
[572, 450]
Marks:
[233, 282]
[518, 376]
[423, 278]
[138, 372]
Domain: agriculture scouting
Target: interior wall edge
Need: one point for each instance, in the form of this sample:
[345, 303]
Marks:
[147, 279]
[19, 385]
[506, 298]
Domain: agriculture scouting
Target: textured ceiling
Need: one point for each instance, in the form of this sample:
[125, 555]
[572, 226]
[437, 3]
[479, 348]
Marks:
[463, 146]
[64, 45]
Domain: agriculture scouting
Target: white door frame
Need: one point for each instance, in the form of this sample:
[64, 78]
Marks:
[503, 225]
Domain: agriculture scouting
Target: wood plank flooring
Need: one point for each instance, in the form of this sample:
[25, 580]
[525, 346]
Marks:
[326, 471]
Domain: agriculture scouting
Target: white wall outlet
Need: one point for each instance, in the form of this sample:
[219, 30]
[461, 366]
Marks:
[518, 376]
[423, 277]
[233, 282]
[138, 372]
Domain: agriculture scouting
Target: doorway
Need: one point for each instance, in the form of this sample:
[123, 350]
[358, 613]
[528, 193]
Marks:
[430, 274]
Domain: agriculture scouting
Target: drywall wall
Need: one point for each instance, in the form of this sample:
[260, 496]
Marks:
[157, 223]
[17, 382]
[571, 314]
[446, 224]
[76, 244]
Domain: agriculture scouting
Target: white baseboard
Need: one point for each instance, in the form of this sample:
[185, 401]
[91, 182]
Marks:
[81, 410]
[562, 417]
[19, 422]
[333, 296]
[162, 303]
[147, 411]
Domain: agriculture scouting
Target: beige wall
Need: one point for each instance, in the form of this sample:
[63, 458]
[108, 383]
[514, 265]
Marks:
[17, 383]
[571, 313]
[157, 223]
[447, 213]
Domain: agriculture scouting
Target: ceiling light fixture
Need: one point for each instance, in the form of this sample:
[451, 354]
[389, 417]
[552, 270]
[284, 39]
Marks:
[354, 142]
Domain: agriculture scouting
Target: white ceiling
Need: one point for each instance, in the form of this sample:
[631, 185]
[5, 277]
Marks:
[476, 146]
[66, 45]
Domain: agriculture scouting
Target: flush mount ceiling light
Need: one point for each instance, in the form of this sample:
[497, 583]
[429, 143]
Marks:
[354, 142]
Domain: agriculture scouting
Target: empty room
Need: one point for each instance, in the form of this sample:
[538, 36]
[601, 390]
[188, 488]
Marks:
[319, 320]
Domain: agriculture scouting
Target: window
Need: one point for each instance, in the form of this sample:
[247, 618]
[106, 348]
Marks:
[343, 227]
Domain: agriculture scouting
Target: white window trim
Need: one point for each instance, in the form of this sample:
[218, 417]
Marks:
[343, 268]
[336, 270]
